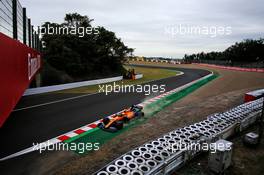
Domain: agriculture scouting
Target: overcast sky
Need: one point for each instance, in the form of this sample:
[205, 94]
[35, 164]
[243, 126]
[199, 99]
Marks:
[147, 25]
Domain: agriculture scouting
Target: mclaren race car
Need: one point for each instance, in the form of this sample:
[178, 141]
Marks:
[116, 122]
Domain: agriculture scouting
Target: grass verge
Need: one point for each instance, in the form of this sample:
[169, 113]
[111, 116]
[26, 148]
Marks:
[149, 74]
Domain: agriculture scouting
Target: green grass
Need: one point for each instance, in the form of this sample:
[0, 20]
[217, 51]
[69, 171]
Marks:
[149, 74]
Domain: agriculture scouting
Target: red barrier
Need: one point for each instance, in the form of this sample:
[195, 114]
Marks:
[18, 65]
[232, 68]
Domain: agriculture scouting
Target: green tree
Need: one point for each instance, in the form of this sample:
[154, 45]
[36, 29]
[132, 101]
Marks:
[245, 52]
[97, 54]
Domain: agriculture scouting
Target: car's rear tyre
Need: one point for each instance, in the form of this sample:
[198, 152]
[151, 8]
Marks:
[118, 125]
[126, 119]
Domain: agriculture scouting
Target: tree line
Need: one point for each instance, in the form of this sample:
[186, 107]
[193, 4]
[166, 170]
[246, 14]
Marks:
[247, 51]
[70, 57]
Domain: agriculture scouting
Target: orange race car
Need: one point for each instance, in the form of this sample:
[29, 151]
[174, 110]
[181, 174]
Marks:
[116, 122]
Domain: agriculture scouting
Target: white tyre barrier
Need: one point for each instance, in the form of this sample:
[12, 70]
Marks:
[128, 158]
[169, 152]
[112, 169]
[120, 163]
[124, 171]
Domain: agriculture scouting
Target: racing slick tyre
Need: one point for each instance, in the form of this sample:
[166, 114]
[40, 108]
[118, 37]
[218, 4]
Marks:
[106, 121]
[100, 125]
[118, 125]
[126, 119]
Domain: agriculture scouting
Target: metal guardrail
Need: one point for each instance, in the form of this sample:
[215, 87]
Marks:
[139, 76]
[158, 157]
[40, 90]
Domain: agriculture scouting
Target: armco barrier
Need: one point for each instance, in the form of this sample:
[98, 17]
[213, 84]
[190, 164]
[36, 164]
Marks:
[232, 68]
[46, 89]
[139, 76]
[163, 155]
[18, 65]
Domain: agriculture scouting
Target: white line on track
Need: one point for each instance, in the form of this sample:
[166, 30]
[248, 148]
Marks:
[53, 102]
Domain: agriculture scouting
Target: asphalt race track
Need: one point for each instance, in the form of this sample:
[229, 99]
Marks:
[38, 124]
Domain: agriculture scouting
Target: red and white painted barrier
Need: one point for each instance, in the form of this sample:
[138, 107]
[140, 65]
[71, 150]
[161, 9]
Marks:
[18, 65]
[232, 68]
[253, 95]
